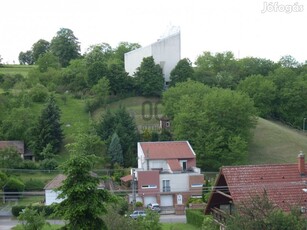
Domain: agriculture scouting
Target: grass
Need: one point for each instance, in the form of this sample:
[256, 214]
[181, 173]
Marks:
[178, 226]
[275, 143]
[46, 227]
[16, 69]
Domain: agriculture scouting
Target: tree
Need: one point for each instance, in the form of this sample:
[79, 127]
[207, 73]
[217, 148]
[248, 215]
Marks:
[182, 72]
[115, 151]
[32, 219]
[65, 46]
[102, 90]
[289, 62]
[122, 48]
[263, 92]
[83, 204]
[10, 158]
[96, 71]
[149, 78]
[39, 48]
[26, 58]
[47, 60]
[48, 130]
[258, 212]
[98, 53]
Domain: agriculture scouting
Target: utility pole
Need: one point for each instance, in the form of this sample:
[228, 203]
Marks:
[133, 189]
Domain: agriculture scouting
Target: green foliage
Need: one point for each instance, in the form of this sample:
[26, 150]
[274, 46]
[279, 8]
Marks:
[150, 222]
[39, 93]
[209, 224]
[31, 219]
[48, 211]
[26, 58]
[3, 179]
[10, 158]
[195, 217]
[34, 185]
[182, 72]
[149, 78]
[65, 46]
[39, 48]
[138, 204]
[115, 151]
[46, 61]
[80, 187]
[14, 185]
[262, 91]
[17, 209]
[49, 164]
[102, 90]
[48, 129]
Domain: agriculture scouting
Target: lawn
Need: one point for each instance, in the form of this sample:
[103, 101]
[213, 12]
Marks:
[46, 227]
[274, 142]
[178, 226]
[16, 69]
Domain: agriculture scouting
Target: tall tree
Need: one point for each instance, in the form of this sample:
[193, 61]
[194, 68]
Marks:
[102, 90]
[65, 46]
[182, 72]
[115, 150]
[149, 77]
[39, 48]
[47, 60]
[26, 58]
[48, 129]
[83, 204]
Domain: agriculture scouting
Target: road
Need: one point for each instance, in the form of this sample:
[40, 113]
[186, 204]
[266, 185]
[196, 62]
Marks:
[6, 223]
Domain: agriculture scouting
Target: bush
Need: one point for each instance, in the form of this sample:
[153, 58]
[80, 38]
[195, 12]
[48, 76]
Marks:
[49, 164]
[48, 210]
[195, 217]
[39, 93]
[27, 164]
[34, 185]
[14, 184]
[139, 204]
[17, 209]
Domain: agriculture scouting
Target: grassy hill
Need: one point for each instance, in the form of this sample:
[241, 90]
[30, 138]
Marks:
[16, 69]
[274, 142]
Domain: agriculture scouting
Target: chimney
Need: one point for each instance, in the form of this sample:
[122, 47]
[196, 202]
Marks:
[301, 163]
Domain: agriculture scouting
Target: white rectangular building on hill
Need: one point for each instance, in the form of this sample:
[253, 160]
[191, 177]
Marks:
[166, 52]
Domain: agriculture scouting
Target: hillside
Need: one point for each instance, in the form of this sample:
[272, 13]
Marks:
[275, 143]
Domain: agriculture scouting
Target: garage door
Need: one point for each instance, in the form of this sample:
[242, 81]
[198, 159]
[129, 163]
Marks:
[149, 199]
[166, 200]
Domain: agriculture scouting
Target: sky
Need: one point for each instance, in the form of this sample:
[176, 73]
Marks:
[248, 28]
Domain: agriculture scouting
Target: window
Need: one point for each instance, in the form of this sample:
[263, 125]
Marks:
[149, 186]
[196, 185]
[166, 186]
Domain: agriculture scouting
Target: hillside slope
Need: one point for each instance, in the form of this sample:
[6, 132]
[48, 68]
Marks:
[275, 143]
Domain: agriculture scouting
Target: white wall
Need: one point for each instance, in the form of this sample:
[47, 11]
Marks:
[51, 197]
[166, 52]
[178, 182]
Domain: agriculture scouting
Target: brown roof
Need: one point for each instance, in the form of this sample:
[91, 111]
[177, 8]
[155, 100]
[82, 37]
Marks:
[282, 183]
[126, 178]
[174, 165]
[56, 182]
[168, 150]
[18, 145]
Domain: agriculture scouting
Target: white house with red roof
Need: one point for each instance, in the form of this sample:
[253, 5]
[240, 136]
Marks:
[284, 184]
[167, 173]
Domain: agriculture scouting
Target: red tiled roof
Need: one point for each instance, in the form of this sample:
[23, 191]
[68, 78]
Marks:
[282, 183]
[126, 178]
[167, 150]
[174, 165]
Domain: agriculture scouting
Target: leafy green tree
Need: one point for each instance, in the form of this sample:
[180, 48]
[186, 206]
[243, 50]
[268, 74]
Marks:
[48, 129]
[47, 60]
[115, 150]
[98, 53]
[32, 219]
[102, 90]
[149, 78]
[121, 49]
[289, 62]
[182, 72]
[39, 48]
[65, 46]
[83, 204]
[263, 92]
[10, 158]
[150, 222]
[26, 58]
[96, 71]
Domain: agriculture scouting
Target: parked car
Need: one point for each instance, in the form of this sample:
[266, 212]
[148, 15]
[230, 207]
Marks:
[137, 214]
[154, 207]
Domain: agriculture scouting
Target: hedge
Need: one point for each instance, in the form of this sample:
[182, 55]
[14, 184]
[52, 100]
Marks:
[195, 217]
[49, 210]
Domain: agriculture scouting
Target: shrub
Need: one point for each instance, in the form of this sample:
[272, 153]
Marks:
[49, 164]
[195, 217]
[48, 210]
[14, 184]
[34, 185]
[17, 209]
[139, 204]
[39, 93]
[26, 164]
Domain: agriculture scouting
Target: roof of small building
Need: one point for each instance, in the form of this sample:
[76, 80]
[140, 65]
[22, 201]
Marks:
[126, 178]
[167, 150]
[18, 145]
[174, 165]
[283, 183]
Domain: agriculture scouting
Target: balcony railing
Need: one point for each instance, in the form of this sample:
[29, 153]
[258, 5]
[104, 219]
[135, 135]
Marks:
[166, 188]
[219, 216]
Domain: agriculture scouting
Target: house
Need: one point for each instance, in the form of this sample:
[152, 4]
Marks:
[167, 173]
[51, 193]
[284, 185]
[20, 148]
[166, 53]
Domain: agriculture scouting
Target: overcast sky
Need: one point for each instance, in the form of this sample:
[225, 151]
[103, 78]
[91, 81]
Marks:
[240, 26]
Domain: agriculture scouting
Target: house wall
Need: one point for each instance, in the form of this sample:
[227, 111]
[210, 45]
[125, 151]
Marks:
[166, 53]
[196, 184]
[178, 182]
[51, 197]
[146, 178]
